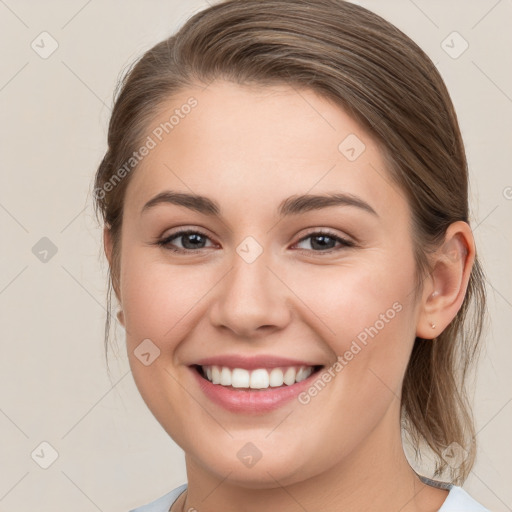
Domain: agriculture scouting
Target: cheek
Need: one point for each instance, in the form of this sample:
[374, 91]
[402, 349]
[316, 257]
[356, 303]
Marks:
[367, 315]
[371, 313]
[160, 299]
[162, 303]
[351, 298]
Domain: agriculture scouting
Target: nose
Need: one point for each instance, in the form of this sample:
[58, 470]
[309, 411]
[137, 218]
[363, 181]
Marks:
[252, 299]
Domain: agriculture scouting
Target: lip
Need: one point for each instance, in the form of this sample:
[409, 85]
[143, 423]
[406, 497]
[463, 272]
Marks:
[254, 362]
[251, 401]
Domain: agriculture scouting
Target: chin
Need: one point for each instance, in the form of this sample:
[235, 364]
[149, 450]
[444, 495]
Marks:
[268, 472]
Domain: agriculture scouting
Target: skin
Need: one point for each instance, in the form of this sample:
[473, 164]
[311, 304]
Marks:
[249, 148]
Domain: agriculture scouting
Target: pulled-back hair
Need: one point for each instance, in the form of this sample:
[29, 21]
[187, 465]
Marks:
[380, 77]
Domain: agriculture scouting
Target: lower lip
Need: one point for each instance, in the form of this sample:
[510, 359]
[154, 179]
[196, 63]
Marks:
[250, 400]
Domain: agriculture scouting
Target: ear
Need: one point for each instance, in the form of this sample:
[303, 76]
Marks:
[445, 288]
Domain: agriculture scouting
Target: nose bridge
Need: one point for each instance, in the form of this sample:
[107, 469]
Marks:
[250, 296]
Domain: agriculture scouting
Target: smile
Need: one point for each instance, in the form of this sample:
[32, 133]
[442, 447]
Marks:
[259, 378]
[259, 388]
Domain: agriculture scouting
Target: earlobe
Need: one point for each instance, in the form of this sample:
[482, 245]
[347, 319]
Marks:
[446, 286]
[120, 316]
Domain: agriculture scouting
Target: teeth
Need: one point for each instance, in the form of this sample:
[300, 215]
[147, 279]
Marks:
[289, 376]
[260, 379]
[225, 377]
[302, 374]
[256, 379]
[276, 377]
[239, 378]
[215, 374]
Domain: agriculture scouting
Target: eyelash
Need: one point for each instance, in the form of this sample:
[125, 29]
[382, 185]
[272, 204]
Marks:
[165, 243]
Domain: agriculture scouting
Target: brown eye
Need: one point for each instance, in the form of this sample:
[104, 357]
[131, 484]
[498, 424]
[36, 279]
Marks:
[325, 241]
[190, 240]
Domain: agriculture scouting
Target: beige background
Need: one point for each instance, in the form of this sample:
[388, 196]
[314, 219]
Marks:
[54, 387]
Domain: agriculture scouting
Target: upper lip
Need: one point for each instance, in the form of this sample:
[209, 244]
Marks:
[253, 362]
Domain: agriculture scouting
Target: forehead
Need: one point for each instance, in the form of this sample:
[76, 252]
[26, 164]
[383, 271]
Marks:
[261, 144]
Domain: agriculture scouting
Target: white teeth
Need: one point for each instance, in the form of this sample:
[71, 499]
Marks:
[256, 379]
[215, 374]
[289, 376]
[259, 379]
[302, 374]
[239, 378]
[225, 376]
[276, 377]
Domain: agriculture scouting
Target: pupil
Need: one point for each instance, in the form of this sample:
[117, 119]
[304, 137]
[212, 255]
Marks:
[322, 244]
[192, 236]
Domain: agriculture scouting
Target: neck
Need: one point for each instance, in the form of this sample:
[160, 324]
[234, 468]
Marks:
[375, 476]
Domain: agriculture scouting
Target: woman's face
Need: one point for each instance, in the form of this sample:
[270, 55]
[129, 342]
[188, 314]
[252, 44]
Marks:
[263, 289]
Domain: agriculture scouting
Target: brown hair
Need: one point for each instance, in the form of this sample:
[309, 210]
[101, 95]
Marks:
[388, 84]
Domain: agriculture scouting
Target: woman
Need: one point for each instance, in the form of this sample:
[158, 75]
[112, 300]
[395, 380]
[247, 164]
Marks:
[285, 198]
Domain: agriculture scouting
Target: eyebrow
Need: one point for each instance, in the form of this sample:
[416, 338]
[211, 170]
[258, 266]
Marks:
[293, 205]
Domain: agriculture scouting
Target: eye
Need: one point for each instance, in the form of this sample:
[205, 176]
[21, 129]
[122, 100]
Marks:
[326, 240]
[191, 241]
